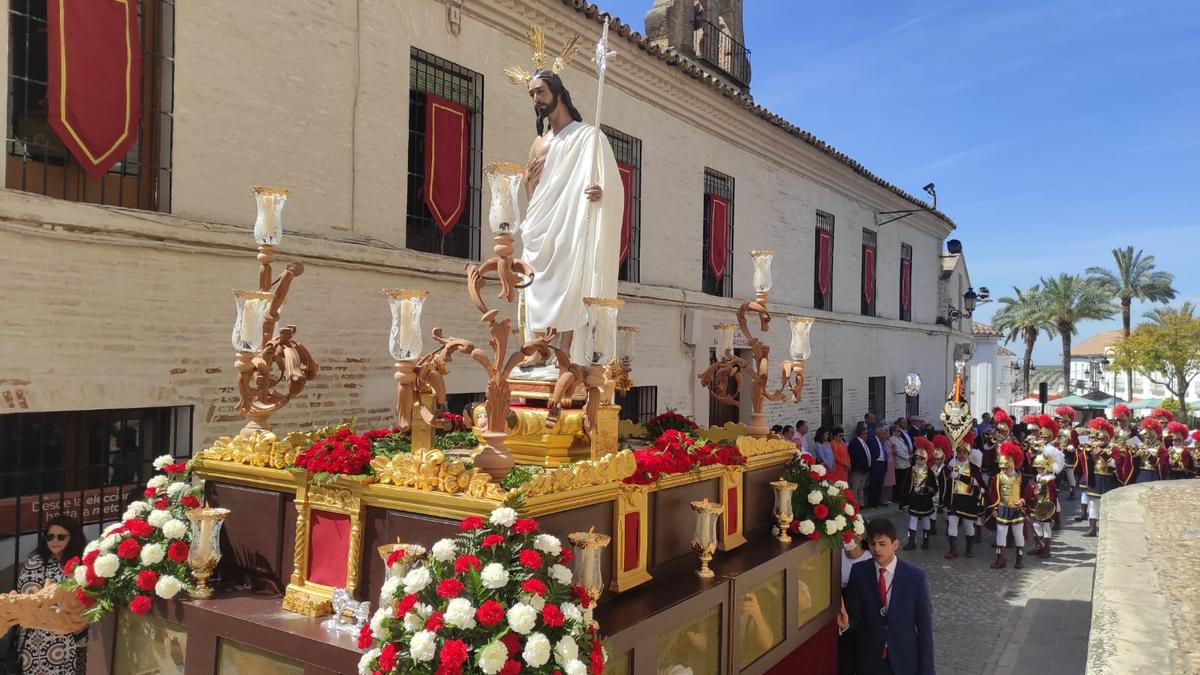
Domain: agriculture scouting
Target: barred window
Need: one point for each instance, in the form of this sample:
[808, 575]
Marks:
[870, 266]
[628, 151]
[912, 406]
[877, 397]
[831, 403]
[38, 161]
[639, 404]
[905, 282]
[720, 186]
[823, 262]
[430, 74]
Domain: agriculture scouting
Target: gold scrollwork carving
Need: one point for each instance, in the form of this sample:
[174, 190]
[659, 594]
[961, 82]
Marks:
[432, 471]
[611, 468]
[265, 449]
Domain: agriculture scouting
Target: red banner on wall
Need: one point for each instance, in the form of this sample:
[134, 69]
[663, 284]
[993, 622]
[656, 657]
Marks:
[824, 260]
[95, 71]
[626, 172]
[718, 233]
[869, 273]
[905, 282]
[447, 140]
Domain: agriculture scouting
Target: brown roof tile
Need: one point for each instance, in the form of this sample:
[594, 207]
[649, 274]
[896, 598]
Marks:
[1096, 344]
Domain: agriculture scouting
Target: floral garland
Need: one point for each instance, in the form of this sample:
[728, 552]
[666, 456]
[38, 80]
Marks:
[821, 509]
[145, 555]
[678, 452]
[497, 598]
[341, 453]
[668, 421]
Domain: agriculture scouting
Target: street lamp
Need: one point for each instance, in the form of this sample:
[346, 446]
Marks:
[971, 300]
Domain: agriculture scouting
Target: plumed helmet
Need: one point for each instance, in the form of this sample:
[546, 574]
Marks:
[967, 441]
[1177, 429]
[1010, 456]
[1041, 462]
[1049, 428]
[1152, 424]
[923, 450]
[1065, 412]
[1102, 426]
[941, 447]
[1196, 435]
[1001, 418]
[1163, 414]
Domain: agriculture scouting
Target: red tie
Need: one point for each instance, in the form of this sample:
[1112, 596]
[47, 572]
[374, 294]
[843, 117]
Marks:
[883, 601]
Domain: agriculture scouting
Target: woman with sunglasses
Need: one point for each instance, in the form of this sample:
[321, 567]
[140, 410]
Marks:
[42, 652]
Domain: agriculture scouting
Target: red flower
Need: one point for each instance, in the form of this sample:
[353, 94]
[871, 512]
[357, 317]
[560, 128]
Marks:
[178, 467]
[847, 537]
[90, 557]
[814, 535]
[140, 605]
[149, 493]
[177, 551]
[596, 665]
[567, 556]
[83, 598]
[139, 528]
[490, 613]
[146, 580]
[814, 475]
[435, 622]
[129, 549]
[552, 616]
[512, 641]
[395, 556]
[466, 562]
[530, 558]
[70, 565]
[471, 523]
[493, 540]
[525, 526]
[365, 637]
[453, 654]
[794, 527]
[387, 658]
[162, 504]
[189, 502]
[534, 586]
[511, 667]
[449, 588]
[848, 494]
[821, 511]
[585, 600]
[91, 579]
[406, 603]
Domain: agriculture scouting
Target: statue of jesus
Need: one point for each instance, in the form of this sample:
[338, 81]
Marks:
[571, 235]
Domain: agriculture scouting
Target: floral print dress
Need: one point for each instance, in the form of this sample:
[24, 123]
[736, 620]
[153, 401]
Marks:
[42, 652]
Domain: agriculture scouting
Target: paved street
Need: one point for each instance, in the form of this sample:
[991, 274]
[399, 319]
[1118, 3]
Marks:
[1008, 622]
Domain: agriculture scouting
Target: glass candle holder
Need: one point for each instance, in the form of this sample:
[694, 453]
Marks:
[412, 555]
[762, 270]
[725, 333]
[912, 384]
[783, 507]
[800, 347]
[205, 550]
[625, 339]
[504, 180]
[589, 574]
[404, 341]
[704, 539]
[252, 310]
[268, 226]
[600, 344]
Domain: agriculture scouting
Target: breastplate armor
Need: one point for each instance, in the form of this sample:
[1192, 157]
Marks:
[1176, 455]
[1149, 458]
[962, 486]
[1010, 490]
[1102, 455]
[918, 477]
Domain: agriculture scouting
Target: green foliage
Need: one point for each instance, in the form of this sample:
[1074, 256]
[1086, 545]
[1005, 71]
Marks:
[392, 445]
[450, 440]
[1167, 353]
[519, 475]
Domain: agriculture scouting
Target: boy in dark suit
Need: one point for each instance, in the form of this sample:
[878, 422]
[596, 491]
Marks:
[888, 605]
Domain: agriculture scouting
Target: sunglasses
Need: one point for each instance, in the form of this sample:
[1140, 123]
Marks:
[57, 537]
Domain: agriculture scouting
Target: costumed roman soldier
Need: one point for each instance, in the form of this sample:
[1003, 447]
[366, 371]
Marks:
[921, 492]
[1045, 498]
[1001, 431]
[1108, 467]
[1068, 442]
[1151, 457]
[1007, 494]
[964, 503]
[1125, 434]
[937, 466]
[1179, 455]
[1195, 449]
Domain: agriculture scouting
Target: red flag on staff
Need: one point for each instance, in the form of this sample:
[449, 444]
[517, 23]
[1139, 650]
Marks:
[626, 172]
[869, 272]
[446, 143]
[94, 83]
[905, 282]
[718, 227]
[825, 261]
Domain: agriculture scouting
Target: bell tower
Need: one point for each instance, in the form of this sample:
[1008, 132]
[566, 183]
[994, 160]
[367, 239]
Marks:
[710, 32]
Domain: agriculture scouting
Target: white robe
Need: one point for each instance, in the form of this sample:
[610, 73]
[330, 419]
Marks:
[574, 254]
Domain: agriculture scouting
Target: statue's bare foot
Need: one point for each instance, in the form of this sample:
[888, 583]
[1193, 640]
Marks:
[532, 361]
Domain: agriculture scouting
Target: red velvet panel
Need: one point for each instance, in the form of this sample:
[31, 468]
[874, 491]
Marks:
[633, 523]
[328, 544]
[817, 656]
[731, 510]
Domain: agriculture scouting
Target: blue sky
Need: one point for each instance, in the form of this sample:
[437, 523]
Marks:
[1054, 130]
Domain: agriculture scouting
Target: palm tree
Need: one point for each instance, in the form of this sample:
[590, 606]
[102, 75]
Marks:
[1160, 315]
[1022, 317]
[1134, 278]
[1068, 299]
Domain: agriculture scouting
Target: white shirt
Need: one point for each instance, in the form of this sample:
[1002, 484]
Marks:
[889, 576]
[848, 562]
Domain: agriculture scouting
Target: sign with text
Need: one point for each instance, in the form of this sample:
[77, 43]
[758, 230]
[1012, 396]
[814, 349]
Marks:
[86, 506]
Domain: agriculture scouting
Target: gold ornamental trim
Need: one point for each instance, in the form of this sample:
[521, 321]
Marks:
[542, 505]
[242, 294]
[676, 480]
[253, 476]
[604, 302]
[760, 253]
[504, 168]
[750, 446]
[269, 190]
[405, 294]
[724, 324]
[432, 471]
[629, 329]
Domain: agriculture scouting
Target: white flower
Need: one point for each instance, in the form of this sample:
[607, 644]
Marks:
[364, 664]
[841, 522]
[565, 650]
[106, 565]
[413, 622]
[128, 515]
[819, 469]
[174, 529]
[139, 507]
[382, 614]
[521, 618]
[571, 611]
[841, 484]
[492, 657]
[416, 580]
[849, 509]
[831, 527]
[504, 517]
[807, 527]
[423, 645]
[108, 542]
[152, 554]
[587, 615]
[832, 491]
[575, 667]
[815, 497]
[535, 601]
[109, 530]
[537, 650]
[157, 517]
[859, 528]
[81, 575]
[547, 543]
[167, 587]
[92, 546]
[443, 550]
[175, 488]
[460, 613]
[389, 589]
[157, 482]
[560, 574]
[162, 461]
[494, 576]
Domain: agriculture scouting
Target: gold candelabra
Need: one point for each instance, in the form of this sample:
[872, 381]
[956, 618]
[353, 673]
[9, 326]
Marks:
[783, 508]
[704, 540]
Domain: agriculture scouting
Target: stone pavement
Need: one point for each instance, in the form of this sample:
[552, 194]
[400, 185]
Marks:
[1009, 621]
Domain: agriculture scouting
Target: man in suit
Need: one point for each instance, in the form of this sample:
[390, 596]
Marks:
[878, 447]
[887, 604]
[903, 462]
[860, 462]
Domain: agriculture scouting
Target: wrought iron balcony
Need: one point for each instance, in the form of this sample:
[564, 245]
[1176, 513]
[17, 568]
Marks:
[724, 53]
